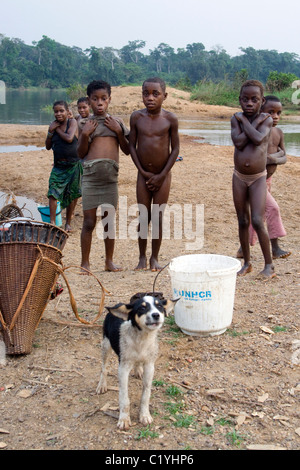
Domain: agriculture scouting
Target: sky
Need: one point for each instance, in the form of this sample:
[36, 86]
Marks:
[231, 24]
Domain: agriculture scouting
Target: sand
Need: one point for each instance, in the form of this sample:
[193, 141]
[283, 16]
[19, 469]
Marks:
[248, 376]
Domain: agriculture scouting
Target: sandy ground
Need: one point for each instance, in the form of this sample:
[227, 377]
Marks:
[238, 390]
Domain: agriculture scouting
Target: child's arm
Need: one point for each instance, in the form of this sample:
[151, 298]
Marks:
[71, 132]
[238, 136]
[115, 126]
[279, 157]
[52, 128]
[156, 180]
[264, 121]
[83, 139]
[132, 147]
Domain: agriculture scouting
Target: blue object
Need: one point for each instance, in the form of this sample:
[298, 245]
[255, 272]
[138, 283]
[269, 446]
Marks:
[45, 213]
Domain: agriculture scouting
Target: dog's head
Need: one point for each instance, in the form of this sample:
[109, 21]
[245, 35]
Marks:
[146, 312]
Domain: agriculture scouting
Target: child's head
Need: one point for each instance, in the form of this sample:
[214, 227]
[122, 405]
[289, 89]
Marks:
[83, 106]
[156, 80]
[272, 106]
[99, 96]
[61, 110]
[154, 93]
[251, 97]
[98, 85]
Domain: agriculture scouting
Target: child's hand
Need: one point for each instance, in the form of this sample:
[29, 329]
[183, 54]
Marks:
[89, 127]
[155, 182]
[53, 126]
[113, 124]
[239, 116]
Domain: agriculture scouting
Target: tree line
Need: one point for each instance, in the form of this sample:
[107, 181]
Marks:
[47, 63]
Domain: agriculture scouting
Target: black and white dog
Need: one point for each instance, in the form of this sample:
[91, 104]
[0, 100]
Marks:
[131, 331]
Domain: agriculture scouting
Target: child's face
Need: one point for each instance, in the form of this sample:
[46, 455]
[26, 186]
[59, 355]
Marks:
[83, 109]
[274, 108]
[251, 100]
[60, 113]
[99, 101]
[153, 96]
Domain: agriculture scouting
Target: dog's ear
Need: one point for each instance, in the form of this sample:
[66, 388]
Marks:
[120, 311]
[169, 305]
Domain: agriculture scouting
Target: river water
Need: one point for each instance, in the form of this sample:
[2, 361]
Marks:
[25, 107]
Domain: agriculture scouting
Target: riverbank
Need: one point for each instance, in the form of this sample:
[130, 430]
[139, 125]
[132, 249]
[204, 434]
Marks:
[234, 391]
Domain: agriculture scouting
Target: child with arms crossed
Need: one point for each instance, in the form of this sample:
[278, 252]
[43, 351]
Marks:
[250, 131]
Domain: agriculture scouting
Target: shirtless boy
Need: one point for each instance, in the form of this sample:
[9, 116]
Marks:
[276, 156]
[250, 132]
[154, 147]
[100, 137]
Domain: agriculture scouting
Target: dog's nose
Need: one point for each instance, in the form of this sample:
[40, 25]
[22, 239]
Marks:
[155, 316]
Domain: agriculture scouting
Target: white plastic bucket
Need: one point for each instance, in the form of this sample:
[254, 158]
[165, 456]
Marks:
[205, 284]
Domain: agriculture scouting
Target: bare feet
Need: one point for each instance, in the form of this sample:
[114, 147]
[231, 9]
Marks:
[154, 266]
[280, 254]
[68, 228]
[247, 268]
[267, 273]
[110, 266]
[142, 265]
[85, 269]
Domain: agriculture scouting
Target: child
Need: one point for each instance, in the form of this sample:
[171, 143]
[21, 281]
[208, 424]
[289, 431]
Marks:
[65, 178]
[250, 131]
[83, 108]
[154, 147]
[276, 156]
[100, 137]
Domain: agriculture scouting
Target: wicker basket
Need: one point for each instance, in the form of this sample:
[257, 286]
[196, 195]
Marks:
[29, 255]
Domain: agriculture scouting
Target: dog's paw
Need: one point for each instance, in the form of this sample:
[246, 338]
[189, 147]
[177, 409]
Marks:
[146, 419]
[124, 422]
[102, 386]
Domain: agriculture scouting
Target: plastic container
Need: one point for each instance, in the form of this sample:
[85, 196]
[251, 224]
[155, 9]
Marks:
[205, 284]
[45, 213]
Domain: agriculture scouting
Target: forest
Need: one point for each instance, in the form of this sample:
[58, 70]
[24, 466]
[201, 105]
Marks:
[47, 63]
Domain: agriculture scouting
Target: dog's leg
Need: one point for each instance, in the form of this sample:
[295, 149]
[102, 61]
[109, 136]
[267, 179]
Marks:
[145, 417]
[124, 403]
[106, 349]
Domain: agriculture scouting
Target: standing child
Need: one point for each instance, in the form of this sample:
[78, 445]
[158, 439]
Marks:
[154, 147]
[100, 137]
[276, 156]
[65, 178]
[250, 131]
[83, 108]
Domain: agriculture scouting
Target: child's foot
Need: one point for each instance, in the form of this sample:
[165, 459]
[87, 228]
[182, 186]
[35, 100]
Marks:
[142, 264]
[110, 266]
[68, 228]
[85, 268]
[247, 268]
[267, 273]
[279, 253]
[154, 265]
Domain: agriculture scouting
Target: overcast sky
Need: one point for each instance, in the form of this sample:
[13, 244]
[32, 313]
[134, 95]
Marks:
[231, 24]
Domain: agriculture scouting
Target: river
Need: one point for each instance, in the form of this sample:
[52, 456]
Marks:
[25, 107]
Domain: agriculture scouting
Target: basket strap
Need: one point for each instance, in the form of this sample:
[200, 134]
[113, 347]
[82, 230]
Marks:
[2, 321]
[28, 287]
[72, 299]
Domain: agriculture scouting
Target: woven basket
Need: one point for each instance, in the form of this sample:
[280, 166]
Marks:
[10, 211]
[29, 255]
